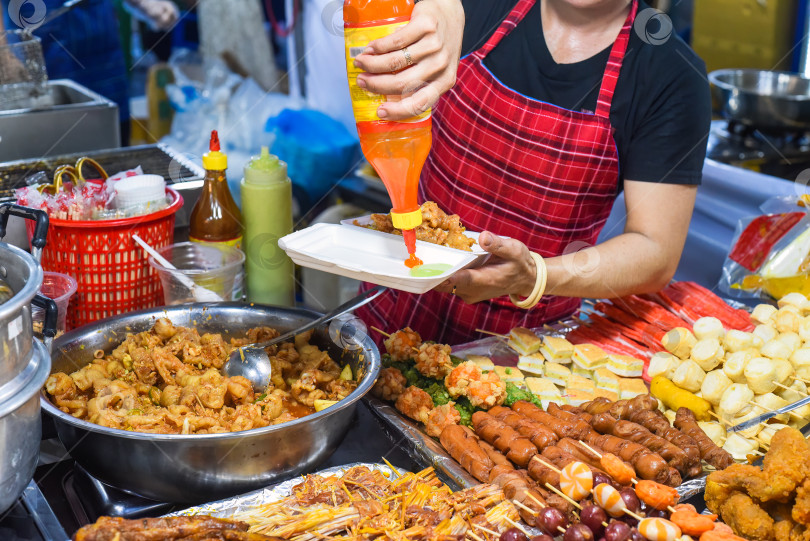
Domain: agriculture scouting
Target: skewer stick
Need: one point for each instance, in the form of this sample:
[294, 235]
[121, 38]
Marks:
[482, 331]
[518, 526]
[393, 469]
[538, 502]
[484, 529]
[382, 332]
[760, 406]
[591, 449]
[546, 464]
[559, 493]
[801, 379]
[474, 536]
[527, 509]
[597, 453]
[632, 514]
[785, 387]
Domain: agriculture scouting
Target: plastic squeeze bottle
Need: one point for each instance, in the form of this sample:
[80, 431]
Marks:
[216, 218]
[267, 208]
[396, 149]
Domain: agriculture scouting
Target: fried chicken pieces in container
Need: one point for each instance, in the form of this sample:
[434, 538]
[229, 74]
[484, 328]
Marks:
[437, 227]
[772, 503]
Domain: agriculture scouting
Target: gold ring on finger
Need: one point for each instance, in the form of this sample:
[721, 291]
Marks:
[408, 59]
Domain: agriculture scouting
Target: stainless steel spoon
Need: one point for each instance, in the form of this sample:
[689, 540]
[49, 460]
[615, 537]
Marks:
[252, 362]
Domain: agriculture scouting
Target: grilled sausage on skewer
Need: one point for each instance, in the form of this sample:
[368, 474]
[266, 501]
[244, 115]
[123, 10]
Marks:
[686, 421]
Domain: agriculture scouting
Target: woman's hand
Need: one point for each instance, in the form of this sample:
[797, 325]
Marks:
[510, 269]
[433, 40]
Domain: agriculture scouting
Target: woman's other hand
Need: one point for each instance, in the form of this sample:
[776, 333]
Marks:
[509, 270]
[433, 41]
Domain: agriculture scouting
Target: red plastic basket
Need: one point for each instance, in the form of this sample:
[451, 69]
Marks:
[111, 270]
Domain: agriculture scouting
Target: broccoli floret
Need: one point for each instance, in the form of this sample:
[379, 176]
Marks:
[456, 360]
[413, 377]
[438, 393]
[515, 393]
[465, 409]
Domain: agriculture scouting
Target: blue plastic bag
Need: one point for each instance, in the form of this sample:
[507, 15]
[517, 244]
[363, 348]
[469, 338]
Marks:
[319, 150]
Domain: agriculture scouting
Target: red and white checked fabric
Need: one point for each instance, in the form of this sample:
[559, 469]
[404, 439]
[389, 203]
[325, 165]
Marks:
[517, 167]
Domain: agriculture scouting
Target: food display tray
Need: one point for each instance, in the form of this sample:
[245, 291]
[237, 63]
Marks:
[228, 507]
[426, 450]
[371, 256]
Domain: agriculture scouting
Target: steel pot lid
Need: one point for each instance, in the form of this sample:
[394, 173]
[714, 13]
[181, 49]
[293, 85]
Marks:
[28, 382]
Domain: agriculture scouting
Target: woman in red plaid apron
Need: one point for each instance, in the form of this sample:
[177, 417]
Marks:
[519, 168]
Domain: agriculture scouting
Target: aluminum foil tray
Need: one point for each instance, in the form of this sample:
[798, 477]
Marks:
[228, 507]
[426, 451]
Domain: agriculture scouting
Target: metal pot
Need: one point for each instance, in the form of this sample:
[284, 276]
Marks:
[205, 467]
[771, 100]
[22, 272]
[20, 425]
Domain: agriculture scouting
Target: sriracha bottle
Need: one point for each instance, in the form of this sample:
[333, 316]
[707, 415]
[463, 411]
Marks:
[396, 149]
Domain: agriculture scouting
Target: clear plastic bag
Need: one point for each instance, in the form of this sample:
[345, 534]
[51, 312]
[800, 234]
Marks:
[770, 253]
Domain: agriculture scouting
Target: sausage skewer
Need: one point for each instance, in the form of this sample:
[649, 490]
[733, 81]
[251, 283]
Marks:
[644, 493]
[686, 422]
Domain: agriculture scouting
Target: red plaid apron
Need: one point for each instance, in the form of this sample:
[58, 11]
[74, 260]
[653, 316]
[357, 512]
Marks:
[517, 167]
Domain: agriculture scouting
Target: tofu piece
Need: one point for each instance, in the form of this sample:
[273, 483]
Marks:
[557, 373]
[557, 350]
[577, 397]
[631, 387]
[545, 390]
[589, 356]
[580, 383]
[531, 364]
[484, 363]
[606, 380]
[625, 366]
[524, 341]
[510, 374]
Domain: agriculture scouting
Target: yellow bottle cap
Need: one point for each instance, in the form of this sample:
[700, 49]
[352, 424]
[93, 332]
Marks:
[407, 220]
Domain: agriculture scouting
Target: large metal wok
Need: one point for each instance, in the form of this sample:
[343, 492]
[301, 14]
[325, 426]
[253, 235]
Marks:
[205, 467]
[770, 100]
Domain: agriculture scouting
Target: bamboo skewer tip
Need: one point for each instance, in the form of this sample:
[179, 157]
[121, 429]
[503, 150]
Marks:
[518, 526]
[546, 464]
[560, 493]
[525, 508]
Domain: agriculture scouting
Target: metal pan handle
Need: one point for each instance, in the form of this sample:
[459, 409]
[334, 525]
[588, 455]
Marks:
[51, 317]
[38, 216]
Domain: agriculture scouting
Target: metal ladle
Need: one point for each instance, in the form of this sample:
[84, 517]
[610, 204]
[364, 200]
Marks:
[252, 362]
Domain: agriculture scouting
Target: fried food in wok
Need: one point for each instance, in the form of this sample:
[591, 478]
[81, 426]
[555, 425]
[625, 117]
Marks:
[437, 227]
[167, 380]
[197, 528]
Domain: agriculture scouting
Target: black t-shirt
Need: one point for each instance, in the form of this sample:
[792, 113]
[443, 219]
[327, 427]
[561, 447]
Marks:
[661, 108]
